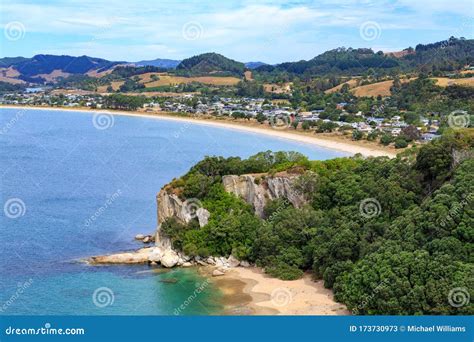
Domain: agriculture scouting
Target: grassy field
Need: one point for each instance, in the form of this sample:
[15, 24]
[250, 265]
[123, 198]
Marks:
[374, 89]
[115, 86]
[352, 83]
[444, 82]
[383, 88]
[166, 79]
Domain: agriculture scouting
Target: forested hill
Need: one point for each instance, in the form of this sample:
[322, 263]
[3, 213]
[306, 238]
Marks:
[451, 54]
[211, 63]
[389, 236]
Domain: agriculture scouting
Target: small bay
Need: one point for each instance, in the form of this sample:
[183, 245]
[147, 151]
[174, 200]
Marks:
[83, 190]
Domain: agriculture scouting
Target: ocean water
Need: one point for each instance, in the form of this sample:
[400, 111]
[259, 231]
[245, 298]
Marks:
[74, 185]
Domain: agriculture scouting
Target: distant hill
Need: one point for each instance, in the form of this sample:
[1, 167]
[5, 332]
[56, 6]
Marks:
[37, 68]
[211, 63]
[446, 55]
[254, 65]
[159, 62]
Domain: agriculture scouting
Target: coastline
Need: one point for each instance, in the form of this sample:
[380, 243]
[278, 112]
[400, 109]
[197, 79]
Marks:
[328, 142]
[249, 291]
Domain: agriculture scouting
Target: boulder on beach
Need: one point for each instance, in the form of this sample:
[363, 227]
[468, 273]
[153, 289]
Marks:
[169, 259]
[139, 237]
[233, 261]
[155, 255]
[244, 263]
[217, 273]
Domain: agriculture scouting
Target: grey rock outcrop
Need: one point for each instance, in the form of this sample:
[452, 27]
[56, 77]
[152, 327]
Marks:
[258, 193]
[170, 205]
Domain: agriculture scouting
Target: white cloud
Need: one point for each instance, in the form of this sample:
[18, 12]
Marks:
[150, 29]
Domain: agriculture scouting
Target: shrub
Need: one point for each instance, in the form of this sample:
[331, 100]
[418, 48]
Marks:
[386, 139]
[284, 271]
[400, 143]
[357, 135]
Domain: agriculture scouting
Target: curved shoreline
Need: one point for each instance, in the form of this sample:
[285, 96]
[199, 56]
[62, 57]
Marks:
[249, 291]
[331, 144]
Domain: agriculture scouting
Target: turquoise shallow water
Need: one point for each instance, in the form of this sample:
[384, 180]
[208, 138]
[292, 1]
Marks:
[84, 191]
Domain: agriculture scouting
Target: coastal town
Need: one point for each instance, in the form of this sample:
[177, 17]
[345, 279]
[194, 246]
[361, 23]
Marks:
[278, 114]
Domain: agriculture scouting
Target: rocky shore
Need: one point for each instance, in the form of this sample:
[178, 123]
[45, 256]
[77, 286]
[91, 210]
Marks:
[168, 258]
[255, 189]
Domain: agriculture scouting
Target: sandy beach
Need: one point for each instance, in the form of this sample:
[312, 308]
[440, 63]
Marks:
[249, 291]
[325, 141]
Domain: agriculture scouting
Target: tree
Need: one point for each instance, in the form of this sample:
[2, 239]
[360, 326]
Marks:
[357, 135]
[410, 133]
[261, 118]
[400, 142]
[386, 139]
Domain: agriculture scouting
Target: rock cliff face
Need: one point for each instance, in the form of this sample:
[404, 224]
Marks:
[257, 190]
[254, 189]
[170, 205]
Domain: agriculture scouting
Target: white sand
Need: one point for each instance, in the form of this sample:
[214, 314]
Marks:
[286, 297]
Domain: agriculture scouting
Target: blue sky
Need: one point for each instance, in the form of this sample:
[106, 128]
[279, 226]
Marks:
[270, 31]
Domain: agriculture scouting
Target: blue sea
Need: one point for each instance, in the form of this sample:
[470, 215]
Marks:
[75, 185]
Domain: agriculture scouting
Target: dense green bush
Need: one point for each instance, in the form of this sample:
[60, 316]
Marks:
[404, 256]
